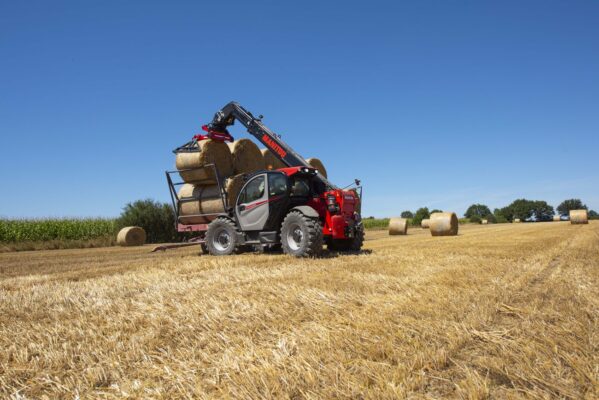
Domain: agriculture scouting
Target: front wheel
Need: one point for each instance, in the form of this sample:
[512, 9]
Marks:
[301, 236]
[221, 237]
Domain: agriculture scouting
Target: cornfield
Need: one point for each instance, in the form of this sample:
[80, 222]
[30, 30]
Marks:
[39, 230]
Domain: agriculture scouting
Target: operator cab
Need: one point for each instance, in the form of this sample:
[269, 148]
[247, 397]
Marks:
[268, 195]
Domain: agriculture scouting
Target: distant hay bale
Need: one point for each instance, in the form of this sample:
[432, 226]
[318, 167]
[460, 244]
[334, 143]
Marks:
[194, 199]
[444, 224]
[557, 218]
[131, 236]
[484, 222]
[425, 223]
[247, 157]
[270, 161]
[517, 220]
[579, 217]
[210, 152]
[398, 226]
[316, 163]
[233, 186]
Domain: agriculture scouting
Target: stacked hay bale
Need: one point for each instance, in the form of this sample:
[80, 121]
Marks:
[425, 223]
[444, 224]
[270, 161]
[398, 226]
[484, 222]
[516, 220]
[316, 163]
[131, 236]
[557, 218]
[200, 194]
[579, 217]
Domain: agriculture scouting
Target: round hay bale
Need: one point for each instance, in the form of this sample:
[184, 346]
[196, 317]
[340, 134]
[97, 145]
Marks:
[270, 161]
[517, 220]
[247, 157]
[557, 218]
[316, 163]
[233, 186]
[398, 226]
[484, 222]
[210, 152]
[425, 223]
[579, 217]
[131, 236]
[444, 224]
[194, 199]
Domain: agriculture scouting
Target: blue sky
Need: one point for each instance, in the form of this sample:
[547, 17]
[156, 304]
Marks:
[438, 104]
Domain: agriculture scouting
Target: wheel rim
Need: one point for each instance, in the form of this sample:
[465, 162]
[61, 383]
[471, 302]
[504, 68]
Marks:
[295, 236]
[222, 240]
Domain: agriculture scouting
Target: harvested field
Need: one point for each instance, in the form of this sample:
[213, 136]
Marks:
[508, 310]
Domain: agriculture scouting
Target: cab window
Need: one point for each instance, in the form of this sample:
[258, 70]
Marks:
[254, 190]
[299, 187]
[277, 184]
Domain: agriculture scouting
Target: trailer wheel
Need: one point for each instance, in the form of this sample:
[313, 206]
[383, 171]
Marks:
[301, 236]
[221, 237]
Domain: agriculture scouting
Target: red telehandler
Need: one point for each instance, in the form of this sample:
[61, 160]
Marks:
[294, 208]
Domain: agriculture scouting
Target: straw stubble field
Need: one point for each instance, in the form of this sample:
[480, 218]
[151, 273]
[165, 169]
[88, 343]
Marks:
[501, 311]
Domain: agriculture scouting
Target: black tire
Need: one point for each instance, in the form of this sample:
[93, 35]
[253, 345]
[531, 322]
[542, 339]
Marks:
[353, 244]
[222, 237]
[301, 236]
[203, 248]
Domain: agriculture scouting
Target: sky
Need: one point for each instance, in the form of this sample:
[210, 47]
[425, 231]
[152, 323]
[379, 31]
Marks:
[438, 104]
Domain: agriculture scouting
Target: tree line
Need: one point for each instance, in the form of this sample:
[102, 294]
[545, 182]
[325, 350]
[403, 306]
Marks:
[522, 209]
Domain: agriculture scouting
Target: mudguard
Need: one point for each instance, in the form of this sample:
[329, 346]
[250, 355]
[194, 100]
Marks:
[307, 211]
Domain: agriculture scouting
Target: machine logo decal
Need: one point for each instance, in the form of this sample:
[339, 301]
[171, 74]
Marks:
[274, 146]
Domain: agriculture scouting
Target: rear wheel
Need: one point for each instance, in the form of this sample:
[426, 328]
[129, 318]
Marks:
[301, 236]
[221, 237]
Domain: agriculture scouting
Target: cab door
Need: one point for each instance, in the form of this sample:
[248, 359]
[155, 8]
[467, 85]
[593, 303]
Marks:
[252, 204]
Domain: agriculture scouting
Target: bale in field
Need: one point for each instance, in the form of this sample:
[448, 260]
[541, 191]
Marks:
[444, 224]
[484, 222]
[270, 161]
[316, 163]
[398, 226]
[557, 218]
[131, 236]
[579, 217]
[247, 157]
[516, 220]
[195, 199]
[425, 223]
[209, 152]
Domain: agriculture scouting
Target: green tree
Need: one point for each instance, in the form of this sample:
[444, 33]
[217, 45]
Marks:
[436, 210]
[542, 211]
[421, 213]
[500, 218]
[593, 214]
[490, 218]
[475, 219]
[522, 209]
[479, 210]
[407, 214]
[570, 204]
[157, 219]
